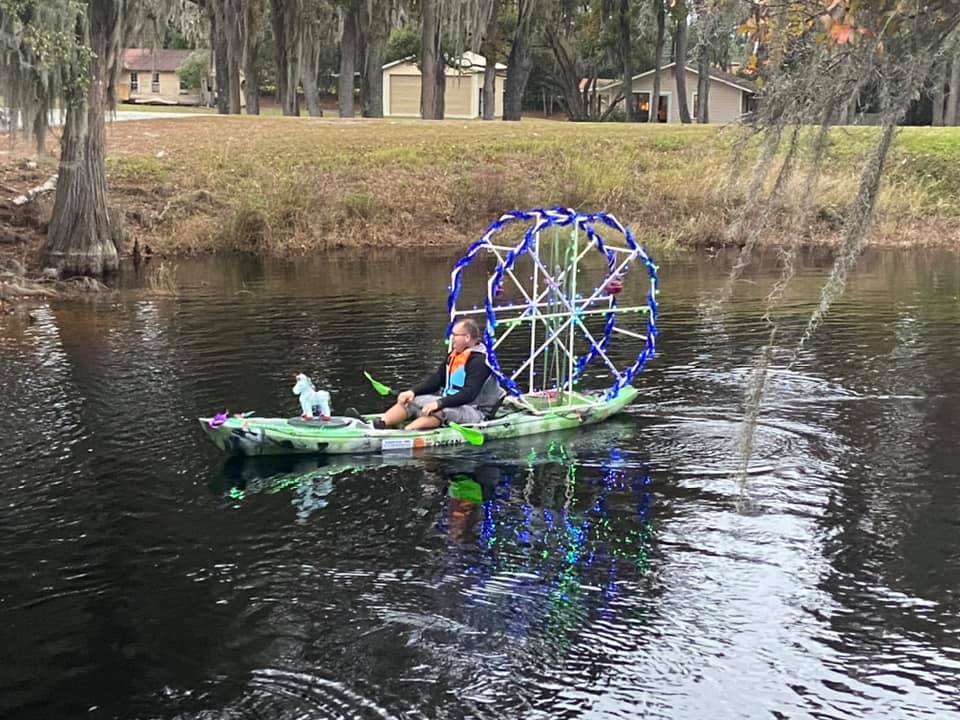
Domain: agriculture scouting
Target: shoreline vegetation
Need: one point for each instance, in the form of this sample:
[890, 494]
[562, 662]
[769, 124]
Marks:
[290, 186]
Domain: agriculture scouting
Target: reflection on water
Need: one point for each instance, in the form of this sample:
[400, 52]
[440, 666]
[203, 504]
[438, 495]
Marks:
[309, 478]
[535, 542]
[601, 573]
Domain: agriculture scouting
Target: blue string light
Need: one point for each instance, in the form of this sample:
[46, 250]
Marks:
[542, 219]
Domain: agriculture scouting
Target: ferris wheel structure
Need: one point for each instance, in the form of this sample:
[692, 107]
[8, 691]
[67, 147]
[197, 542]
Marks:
[553, 296]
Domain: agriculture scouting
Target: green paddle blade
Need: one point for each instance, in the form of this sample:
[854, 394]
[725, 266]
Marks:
[378, 386]
[468, 490]
[474, 437]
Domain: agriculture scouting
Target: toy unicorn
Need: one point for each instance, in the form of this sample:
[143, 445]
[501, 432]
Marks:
[314, 403]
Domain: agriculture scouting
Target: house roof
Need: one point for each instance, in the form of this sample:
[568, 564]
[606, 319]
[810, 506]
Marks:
[469, 61]
[148, 60]
[401, 61]
[715, 74]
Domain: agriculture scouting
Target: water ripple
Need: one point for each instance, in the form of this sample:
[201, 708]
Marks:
[604, 573]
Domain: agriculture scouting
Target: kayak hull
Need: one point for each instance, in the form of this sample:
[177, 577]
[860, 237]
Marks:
[293, 436]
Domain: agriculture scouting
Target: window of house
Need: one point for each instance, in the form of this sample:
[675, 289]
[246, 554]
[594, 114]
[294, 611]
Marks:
[696, 105]
[134, 82]
[641, 106]
[155, 83]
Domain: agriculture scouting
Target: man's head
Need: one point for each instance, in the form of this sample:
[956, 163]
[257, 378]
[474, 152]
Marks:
[465, 334]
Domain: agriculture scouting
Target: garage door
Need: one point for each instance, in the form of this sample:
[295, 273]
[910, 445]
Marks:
[456, 99]
[405, 95]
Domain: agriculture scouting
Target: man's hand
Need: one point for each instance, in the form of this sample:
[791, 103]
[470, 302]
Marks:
[430, 408]
[405, 397]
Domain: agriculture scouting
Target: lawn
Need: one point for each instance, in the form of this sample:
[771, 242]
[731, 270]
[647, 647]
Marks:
[292, 185]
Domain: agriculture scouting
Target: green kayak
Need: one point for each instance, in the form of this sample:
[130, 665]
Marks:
[341, 435]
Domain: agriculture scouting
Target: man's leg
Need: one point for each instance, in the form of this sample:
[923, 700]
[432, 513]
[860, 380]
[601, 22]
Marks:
[398, 413]
[425, 422]
[395, 415]
[463, 415]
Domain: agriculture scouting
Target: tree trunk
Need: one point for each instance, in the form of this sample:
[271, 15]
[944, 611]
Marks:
[519, 63]
[488, 48]
[78, 238]
[278, 10]
[349, 39]
[625, 56]
[371, 77]
[575, 83]
[218, 40]
[291, 32]
[441, 95]
[658, 57]
[703, 82]
[570, 74]
[251, 48]
[310, 57]
[231, 30]
[285, 19]
[490, 89]
[939, 96]
[429, 36]
[950, 117]
[848, 110]
[41, 122]
[680, 68]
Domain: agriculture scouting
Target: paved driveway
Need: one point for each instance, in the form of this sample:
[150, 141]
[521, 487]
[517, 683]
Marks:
[56, 120]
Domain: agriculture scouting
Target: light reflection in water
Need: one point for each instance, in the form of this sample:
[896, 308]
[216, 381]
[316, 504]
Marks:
[532, 535]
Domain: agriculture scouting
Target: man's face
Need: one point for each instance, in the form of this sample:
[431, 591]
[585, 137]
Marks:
[459, 339]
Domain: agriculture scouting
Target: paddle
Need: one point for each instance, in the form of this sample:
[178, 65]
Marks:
[378, 386]
[474, 437]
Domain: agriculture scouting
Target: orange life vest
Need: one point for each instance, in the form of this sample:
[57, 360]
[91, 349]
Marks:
[456, 371]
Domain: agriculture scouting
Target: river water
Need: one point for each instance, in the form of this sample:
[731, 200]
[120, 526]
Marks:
[614, 572]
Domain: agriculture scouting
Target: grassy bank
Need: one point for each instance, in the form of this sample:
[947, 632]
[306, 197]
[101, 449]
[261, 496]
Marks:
[279, 185]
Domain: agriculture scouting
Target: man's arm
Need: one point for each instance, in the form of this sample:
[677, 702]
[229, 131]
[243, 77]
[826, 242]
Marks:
[477, 374]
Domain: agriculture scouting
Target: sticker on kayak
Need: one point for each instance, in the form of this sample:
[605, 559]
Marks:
[397, 444]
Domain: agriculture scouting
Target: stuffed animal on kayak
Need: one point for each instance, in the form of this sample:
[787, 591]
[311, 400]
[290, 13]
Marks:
[314, 403]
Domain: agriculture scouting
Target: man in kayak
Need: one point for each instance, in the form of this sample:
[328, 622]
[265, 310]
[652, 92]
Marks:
[462, 389]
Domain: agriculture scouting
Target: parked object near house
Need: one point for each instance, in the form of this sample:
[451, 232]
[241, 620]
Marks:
[731, 97]
[463, 96]
[150, 77]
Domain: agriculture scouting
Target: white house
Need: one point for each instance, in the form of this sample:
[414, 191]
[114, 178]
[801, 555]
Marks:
[463, 96]
[150, 76]
[730, 97]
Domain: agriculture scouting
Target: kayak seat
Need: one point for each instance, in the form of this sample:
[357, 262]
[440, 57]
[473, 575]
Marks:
[497, 407]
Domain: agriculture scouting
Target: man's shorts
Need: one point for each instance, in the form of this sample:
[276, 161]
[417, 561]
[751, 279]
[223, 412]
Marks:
[463, 415]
